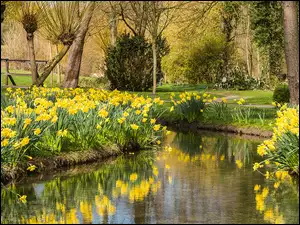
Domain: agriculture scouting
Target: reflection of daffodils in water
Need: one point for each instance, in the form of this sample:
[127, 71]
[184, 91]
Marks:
[155, 171]
[69, 217]
[86, 210]
[256, 187]
[136, 192]
[185, 157]
[239, 163]
[270, 215]
[170, 179]
[104, 205]
[263, 205]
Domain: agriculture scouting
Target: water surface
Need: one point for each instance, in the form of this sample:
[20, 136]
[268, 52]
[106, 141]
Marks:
[192, 179]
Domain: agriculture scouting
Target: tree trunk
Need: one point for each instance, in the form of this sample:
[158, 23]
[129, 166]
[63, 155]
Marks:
[58, 75]
[50, 65]
[291, 41]
[248, 45]
[33, 66]
[75, 55]
[154, 65]
[50, 57]
[113, 26]
[258, 64]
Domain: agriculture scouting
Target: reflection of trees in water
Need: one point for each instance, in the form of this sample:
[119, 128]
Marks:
[188, 142]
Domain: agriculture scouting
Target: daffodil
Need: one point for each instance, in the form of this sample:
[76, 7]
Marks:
[133, 177]
[156, 127]
[257, 187]
[31, 167]
[37, 131]
[134, 126]
[23, 199]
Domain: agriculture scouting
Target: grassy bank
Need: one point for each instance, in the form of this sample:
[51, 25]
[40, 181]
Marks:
[15, 172]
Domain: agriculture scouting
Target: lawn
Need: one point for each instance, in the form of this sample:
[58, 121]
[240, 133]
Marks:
[256, 97]
[24, 80]
[27, 81]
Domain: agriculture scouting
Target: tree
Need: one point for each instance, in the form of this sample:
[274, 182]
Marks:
[160, 14]
[230, 13]
[113, 23]
[75, 54]
[291, 40]
[29, 15]
[135, 15]
[266, 17]
[61, 24]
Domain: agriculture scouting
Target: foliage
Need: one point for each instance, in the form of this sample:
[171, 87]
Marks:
[239, 79]
[129, 64]
[281, 94]
[190, 106]
[205, 60]
[282, 151]
[199, 62]
[218, 109]
[266, 22]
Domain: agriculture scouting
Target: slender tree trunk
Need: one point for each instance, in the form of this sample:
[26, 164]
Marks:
[75, 55]
[50, 57]
[258, 64]
[50, 65]
[113, 26]
[154, 65]
[291, 40]
[248, 45]
[33, 66]
[58, 75]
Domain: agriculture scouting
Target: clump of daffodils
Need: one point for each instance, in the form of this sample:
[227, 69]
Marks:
[282, 149]
[52, 119]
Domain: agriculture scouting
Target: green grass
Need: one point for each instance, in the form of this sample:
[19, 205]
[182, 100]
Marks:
[24, 80]
[27, 81]
[259, 97]
[254, 121]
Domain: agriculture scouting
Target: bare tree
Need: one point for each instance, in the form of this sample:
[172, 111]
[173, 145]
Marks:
[29, 15]
[291, 39]
[75, 55]
[135, 16]
[160, 14]
[61, 24]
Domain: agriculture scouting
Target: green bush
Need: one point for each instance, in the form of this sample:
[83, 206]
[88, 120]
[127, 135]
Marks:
[238, 79]
[129, 64]
[281, 94]
[195, 62]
